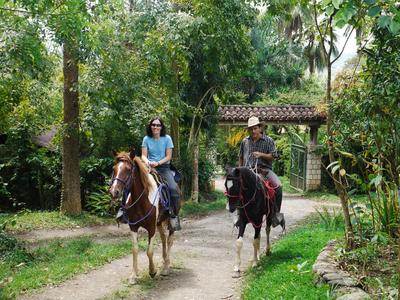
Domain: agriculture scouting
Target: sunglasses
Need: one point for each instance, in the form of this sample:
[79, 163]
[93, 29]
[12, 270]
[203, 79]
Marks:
[156, 125]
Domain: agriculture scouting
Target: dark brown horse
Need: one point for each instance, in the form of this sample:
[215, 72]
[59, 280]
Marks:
[248, 195]
[143, 208]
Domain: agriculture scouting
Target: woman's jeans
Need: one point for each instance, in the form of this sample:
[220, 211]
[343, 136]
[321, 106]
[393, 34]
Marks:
[167, 175]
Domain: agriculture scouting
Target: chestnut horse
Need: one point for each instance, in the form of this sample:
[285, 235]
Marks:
[143, 208]
[247, 193]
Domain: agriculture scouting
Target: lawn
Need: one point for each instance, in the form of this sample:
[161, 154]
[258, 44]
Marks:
[287, 273]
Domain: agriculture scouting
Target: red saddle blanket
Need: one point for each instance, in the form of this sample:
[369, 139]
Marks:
[270, 190]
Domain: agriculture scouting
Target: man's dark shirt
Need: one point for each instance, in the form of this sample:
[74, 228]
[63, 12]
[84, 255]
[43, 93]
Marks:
[265, 145]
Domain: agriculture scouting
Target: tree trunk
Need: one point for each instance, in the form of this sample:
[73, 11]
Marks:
[331, 151]
[175, 138]
[71, 192]
[195, 178]
[311, 65]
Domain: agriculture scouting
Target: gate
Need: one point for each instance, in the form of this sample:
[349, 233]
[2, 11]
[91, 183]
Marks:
[298, 166]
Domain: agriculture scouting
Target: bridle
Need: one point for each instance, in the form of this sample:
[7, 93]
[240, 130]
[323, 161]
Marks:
[241, 194]
[127, 184]
[242, 198]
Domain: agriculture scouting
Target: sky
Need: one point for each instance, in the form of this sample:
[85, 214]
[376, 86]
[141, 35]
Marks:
[349, 51]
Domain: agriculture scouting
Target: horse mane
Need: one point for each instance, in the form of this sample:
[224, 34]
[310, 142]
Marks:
[143, 173]
[142, 169]
[247, 177]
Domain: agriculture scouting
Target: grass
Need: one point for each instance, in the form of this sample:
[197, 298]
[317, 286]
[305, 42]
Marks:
[287, 273]
[34, 220]
[287, 188]
[22, 271]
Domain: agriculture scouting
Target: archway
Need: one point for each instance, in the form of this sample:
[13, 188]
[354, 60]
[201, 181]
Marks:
[308, 176]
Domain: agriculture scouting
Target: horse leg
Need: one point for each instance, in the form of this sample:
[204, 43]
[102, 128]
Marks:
[135, 250]
[256, 246]
[170, 242]
[239, 246]
[150, 252]
[165, 269]
[268, 231]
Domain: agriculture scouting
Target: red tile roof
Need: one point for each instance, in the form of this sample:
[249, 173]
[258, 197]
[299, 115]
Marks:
[277, 114]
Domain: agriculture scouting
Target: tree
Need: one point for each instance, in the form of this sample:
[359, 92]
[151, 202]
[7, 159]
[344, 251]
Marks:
[219, 51]
[67, 22]
[339, 13]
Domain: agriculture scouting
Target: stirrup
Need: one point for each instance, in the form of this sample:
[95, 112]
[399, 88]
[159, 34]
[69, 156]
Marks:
[174, 223]
[120, 217]
[277, 219]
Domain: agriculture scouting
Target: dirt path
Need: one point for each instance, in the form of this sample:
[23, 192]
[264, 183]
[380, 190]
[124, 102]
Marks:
[203, 256]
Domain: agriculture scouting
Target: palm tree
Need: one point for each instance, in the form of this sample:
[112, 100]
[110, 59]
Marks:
[299, 26]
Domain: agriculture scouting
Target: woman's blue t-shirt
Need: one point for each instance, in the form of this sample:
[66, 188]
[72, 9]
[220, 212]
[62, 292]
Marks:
[156, 149]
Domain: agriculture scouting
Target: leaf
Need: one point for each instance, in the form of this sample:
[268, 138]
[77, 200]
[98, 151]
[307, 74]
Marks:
[394, 26]
[330, 10]
[340, 23]
[376, 181]
[374, 10]
[332, 164]
[384, 21]
[336, 3]
[335, 168]
[370, 2]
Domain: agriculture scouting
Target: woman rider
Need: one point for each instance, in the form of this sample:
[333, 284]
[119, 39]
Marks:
[157, 148]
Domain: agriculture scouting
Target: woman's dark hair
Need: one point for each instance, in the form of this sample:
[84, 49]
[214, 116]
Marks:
[163, 131]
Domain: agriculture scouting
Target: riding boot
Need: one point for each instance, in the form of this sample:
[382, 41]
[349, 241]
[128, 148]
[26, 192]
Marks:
[174, 222]
[278, 218]
[120, 216]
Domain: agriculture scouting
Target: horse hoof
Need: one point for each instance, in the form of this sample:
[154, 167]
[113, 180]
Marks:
[152, 274]
[236, 274]
[132, 280]
[165, 272]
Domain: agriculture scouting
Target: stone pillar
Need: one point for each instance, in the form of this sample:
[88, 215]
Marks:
[313, 173]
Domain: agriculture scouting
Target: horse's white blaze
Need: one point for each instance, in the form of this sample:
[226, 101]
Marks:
[114, 184]
[229, 184]
[239, 245]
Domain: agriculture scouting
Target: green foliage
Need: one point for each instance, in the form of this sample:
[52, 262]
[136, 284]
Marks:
[99, 202]
[330, 218]
[27, 220]
[279, 62]
[375, 265]
[55, 262]
[287, 273]
[367, 130]
[308, 92]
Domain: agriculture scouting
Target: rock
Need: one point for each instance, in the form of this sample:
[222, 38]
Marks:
[352, 294]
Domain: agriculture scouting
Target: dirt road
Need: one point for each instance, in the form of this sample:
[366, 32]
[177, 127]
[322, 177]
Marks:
[203, 257]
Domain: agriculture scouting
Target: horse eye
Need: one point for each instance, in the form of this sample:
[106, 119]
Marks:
[229, 184]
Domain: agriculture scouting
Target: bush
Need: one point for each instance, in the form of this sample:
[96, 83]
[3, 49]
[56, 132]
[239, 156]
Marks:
[99, 202]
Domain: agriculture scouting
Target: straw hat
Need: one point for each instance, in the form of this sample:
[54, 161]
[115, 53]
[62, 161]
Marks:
[253, 121]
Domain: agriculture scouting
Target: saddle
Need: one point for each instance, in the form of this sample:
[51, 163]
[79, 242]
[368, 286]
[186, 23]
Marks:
[165, 198]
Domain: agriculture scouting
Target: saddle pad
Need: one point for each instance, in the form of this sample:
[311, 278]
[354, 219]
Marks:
[270, 189]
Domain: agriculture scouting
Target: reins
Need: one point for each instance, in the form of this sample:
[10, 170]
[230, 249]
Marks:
[127, 184]
[241, 196]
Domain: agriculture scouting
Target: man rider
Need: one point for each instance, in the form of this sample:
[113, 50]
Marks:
[257, 151]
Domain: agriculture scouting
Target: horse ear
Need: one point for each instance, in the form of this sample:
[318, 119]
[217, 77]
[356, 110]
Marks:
[132, 152]
[228, 169]
[114, 153]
